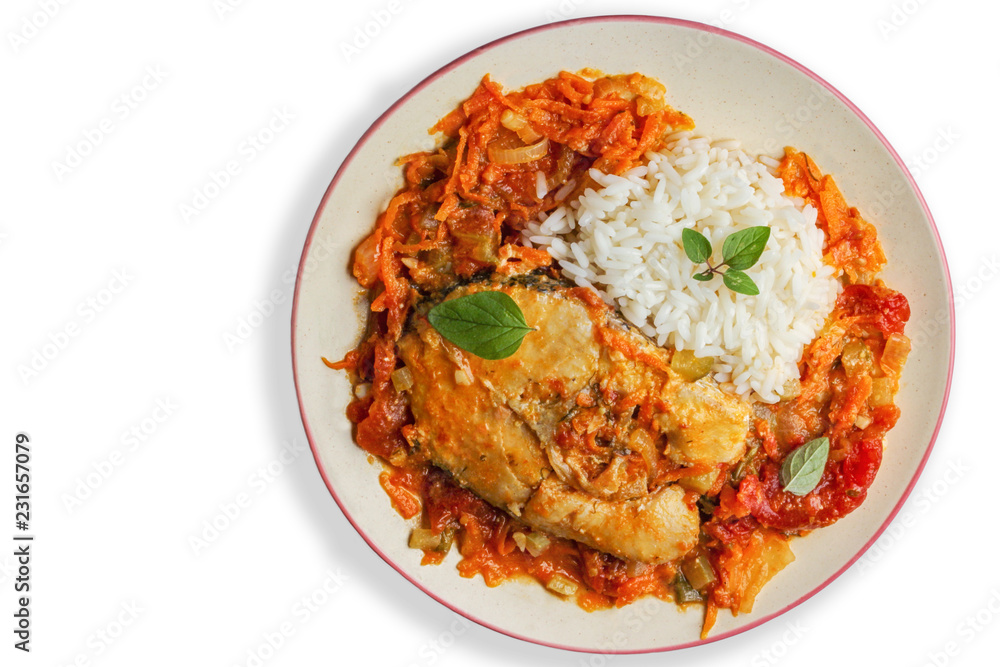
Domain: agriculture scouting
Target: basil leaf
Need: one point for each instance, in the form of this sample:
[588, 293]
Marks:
[703, 277]
[742, 249]
[803, 468]
[696, 246]
[487, 324]
[740, 282]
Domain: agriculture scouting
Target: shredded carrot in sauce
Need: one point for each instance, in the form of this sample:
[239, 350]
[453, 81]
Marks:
[852, 243]
[459, 215]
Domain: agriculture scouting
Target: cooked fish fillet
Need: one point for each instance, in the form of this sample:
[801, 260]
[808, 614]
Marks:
[570, 432]
[658, 527]
[466, 428]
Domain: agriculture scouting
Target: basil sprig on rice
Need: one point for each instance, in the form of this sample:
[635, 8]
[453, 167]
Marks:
[740, 251]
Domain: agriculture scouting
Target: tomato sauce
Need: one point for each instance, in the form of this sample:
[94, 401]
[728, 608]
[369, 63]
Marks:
[459, 215]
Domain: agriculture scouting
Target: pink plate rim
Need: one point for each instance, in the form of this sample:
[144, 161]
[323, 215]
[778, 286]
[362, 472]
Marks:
[609, 19]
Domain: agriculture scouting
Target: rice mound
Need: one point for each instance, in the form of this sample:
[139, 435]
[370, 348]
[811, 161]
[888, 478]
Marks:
[624, 240]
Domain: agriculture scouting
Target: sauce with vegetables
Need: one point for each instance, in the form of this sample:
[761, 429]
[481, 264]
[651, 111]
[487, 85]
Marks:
[647, 422]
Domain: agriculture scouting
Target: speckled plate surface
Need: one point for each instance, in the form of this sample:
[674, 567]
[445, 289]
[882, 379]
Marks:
[733, 88]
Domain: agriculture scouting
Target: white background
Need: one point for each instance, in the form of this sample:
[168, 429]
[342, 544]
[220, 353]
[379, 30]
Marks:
[102, 249]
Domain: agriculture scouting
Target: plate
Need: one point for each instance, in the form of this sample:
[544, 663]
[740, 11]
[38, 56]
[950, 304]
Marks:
[732, 87]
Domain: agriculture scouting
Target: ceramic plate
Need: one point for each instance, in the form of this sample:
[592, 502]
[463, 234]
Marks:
[733, 88]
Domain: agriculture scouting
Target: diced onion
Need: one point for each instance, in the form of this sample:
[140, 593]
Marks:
[519, 124]
[683, 592]
[424, 539]
[462, 378]
[699, 483]
[512, 121]
[791, 389]
[362, 390]
[690, 367]
[402, 378]
[537, 543]
[366, 262]
[534, 543]
[897, 348]
[883, 390]
[561, 585]
[398, 457]
[634, 568]
[856, 359]
[698, 571]
[645, 106]
[521, 154]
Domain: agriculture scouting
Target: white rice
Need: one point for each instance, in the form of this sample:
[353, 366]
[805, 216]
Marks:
[624, 240]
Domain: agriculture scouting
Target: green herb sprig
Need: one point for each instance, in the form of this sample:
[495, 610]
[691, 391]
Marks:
[803, 468]
[740, 251]
[487, 324]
